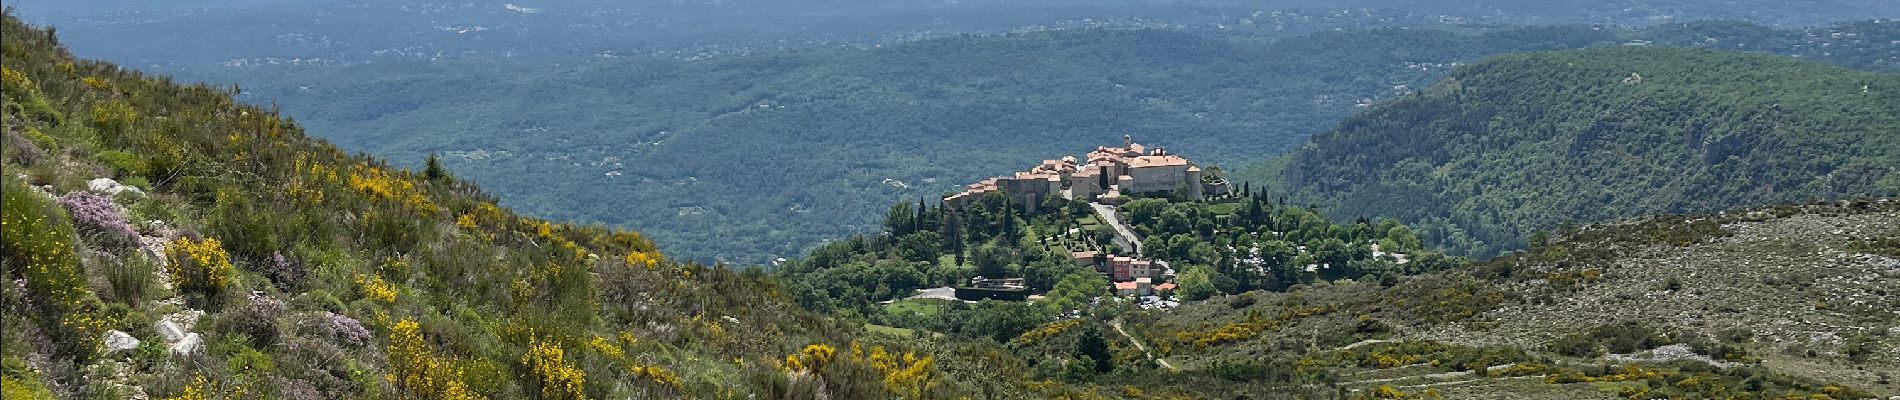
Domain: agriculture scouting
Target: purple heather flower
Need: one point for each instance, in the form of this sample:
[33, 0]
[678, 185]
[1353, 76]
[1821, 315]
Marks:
[96, 212]
[348, 329]
[284, 271]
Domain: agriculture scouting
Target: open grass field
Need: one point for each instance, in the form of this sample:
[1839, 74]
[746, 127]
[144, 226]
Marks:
[1225, 208]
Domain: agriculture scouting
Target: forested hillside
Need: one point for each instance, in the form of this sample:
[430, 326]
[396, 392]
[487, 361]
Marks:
[194, 34]
[1526, 142]
[756, 156]
[1232, 244]
[1695, 306]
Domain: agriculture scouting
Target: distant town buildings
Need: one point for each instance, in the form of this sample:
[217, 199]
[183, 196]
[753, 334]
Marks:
[981, 288]
[1109, 174]
[1120, 268]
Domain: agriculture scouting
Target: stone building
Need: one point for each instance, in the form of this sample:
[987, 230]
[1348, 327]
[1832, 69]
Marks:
[1120, 268]
[1109, 173]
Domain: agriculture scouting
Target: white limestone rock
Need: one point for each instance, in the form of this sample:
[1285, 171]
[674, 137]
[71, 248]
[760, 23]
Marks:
[176, 330]
[120, 341]
[190, 344]
[111, 187]
[170, 330]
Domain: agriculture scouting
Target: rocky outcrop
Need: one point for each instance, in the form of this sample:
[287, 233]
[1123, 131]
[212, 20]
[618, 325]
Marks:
[117, 341]
[176, 330]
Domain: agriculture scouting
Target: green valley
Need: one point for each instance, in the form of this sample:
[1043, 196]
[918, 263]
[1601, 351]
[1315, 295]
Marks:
[752, 157]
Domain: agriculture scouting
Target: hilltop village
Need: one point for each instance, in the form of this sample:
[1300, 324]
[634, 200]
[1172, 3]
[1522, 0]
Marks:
[1108, 177]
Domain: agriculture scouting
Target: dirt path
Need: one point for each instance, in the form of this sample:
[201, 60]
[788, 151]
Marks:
[1117, 324]
[1438, 376]
[1426, 385]
[1428, 377]
[1367, 342]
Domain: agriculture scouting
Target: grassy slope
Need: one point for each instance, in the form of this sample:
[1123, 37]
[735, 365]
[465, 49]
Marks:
[1522, 142]
[459, 297]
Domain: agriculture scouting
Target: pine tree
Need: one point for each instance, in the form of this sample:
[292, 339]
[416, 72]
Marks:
[434, 171]
[900, 219]
[1094, 347]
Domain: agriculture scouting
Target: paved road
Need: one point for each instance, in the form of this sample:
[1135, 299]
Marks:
[938, 293]
[1107, 212]
[1117, 324]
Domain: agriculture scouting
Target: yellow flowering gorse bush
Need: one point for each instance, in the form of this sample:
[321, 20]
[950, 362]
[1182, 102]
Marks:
[377, 288]
[605, 347]
[417, 373]
[558, 378]
[200, 266]
[1045, 331]
[381, 185]
[33, 229]
[811, 358]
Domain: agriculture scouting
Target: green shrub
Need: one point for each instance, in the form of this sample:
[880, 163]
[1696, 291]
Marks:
[318, 299]
[390, 232]
[1622, 338]
[37, 241]
[51, 174]
[124, 164]
[130, 278]
[46, 143]
[23, 387]
[257, 321]
[249, 231]
[32, 102]
[165, 161]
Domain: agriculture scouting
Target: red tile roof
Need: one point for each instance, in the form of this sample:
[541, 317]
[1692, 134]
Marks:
[1156, 161]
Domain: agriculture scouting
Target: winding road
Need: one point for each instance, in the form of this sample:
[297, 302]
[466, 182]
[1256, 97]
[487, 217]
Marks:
[1107, 212]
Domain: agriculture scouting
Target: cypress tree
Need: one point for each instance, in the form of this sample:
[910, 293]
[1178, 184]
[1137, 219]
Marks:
[917, 220]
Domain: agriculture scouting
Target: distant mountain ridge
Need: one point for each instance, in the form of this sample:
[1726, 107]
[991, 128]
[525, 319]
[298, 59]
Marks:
[1523, 142]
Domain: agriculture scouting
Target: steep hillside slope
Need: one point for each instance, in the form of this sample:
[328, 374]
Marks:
[164, 241]
[1755, 303]
[1523, 142]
